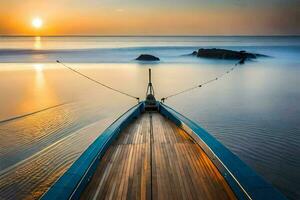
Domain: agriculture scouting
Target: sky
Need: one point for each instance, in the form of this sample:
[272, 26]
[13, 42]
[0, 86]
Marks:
[151, 17]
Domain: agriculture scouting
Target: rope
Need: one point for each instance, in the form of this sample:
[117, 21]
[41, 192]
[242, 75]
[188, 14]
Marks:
[95, 81]
[205, 83]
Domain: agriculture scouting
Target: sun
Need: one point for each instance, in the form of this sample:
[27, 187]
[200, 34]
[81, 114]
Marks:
[37, 23]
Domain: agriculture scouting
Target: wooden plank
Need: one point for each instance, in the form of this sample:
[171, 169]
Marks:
[180, 168]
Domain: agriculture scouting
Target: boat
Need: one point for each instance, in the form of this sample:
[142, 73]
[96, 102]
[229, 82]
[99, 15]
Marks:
[154, 152]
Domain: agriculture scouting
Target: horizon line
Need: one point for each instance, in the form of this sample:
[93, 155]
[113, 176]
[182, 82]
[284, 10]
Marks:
[99, 35]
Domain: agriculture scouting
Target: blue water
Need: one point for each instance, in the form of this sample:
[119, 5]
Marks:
[126, 49]
[254, 111]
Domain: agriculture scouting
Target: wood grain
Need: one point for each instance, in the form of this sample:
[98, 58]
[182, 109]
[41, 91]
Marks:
[154, 159]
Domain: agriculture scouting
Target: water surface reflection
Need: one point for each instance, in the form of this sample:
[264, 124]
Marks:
[254, 111]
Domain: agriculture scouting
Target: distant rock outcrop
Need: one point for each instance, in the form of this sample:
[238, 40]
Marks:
[225, 54]
[147, 57]
[194, 53]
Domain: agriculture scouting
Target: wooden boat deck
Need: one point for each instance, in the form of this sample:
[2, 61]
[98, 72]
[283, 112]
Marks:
[154, 159]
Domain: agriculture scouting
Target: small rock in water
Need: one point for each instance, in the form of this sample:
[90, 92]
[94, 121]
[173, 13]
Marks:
[147, 57]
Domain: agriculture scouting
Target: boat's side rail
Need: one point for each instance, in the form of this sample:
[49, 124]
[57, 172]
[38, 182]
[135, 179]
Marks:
[242, 179]
[74, 180]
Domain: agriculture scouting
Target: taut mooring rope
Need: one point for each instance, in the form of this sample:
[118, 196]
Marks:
[199, 86]
[99, 83]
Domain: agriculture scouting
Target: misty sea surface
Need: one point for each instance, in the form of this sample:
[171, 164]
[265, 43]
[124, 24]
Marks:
[49, 115]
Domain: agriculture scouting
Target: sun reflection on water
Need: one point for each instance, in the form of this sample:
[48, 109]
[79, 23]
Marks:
[38, 67]
[37, 42]
[39, 93]
[39, 76]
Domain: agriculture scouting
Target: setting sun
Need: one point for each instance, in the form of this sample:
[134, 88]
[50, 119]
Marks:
[105, 99]
[37, 23]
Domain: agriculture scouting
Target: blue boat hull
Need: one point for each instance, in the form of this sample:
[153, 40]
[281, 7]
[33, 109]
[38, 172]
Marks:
[245, 183]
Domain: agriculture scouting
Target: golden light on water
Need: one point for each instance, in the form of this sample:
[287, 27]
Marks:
[38, 67]
[39, 77]
[37, 42]
[37, 23]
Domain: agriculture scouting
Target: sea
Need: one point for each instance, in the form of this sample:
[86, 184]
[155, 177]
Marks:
[49, 115]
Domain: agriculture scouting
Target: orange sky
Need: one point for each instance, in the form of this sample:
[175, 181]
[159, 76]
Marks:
[140, 17]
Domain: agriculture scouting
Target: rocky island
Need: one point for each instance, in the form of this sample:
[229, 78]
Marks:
[225, 54]
[147, 57]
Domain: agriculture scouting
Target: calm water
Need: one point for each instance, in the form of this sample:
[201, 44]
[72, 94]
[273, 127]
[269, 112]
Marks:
[49, 115]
